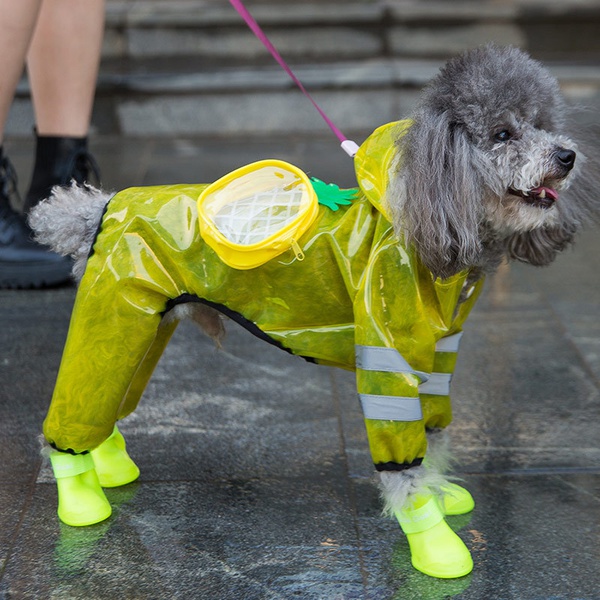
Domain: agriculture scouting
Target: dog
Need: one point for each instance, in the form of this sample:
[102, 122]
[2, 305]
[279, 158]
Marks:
[483, 172]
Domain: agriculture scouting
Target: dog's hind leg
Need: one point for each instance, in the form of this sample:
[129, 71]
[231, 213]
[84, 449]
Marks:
[103, 354]
[114, 341]
[146, 367]
[113, 465]
[87, 401]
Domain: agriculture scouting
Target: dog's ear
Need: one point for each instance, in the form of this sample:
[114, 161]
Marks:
[539, 247]
[441, 189]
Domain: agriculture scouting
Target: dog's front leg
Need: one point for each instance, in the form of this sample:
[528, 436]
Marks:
[396, 427]
[434, 547]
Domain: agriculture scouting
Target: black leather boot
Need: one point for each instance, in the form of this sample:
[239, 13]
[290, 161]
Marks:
[59, 160]
[23, 262]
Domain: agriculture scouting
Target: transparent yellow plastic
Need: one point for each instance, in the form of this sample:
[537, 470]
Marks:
[374, 162]
[257, 212]
[357, 284]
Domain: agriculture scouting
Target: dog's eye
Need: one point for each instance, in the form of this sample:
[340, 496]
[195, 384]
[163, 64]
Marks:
[503, 136]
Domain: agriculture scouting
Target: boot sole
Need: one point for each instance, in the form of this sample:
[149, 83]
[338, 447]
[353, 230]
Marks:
[34, 275]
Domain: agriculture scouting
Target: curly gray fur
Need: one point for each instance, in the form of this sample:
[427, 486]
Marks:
[207, 318]
[431, 477]
[68, 221]
[450, 197]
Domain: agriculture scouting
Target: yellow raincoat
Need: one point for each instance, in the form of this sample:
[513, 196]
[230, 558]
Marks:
[358, 300]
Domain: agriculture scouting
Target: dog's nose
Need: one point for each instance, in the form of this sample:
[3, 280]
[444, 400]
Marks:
[566, 158]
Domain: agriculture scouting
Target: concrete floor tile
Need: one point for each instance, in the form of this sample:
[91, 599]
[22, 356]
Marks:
[14, 498]
[223, 539]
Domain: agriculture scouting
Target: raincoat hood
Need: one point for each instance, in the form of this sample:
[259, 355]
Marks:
[374, 162]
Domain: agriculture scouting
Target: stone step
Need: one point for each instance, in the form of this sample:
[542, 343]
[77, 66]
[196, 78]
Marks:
[191, 67]
[334, 29]
[358, 96]
[255, 101]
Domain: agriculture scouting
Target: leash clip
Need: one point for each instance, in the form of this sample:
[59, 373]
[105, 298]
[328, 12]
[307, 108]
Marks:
[350, 148]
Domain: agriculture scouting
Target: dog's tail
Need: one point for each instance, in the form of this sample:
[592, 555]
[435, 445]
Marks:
[68, 221]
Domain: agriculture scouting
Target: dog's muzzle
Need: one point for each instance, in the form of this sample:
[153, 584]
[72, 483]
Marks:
[564, 160]
[544, 196]
[540, 197]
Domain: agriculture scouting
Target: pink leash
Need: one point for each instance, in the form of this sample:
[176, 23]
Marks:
[348, 146]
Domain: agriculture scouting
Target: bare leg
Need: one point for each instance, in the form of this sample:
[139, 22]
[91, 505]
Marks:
[63, 62]
[23, 263]
[18, 22]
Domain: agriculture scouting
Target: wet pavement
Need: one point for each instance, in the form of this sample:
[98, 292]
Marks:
[256, 481]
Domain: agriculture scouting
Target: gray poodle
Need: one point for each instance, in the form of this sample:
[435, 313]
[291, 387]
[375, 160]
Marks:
[380, 282]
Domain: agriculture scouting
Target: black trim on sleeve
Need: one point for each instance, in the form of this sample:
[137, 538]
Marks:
[68, 450]
[99, 229]
[392, 466]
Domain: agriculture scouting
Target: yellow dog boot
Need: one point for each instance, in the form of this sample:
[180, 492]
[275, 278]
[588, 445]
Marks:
[113, 465]
[435, 549]
[81, 500]
[455, 500]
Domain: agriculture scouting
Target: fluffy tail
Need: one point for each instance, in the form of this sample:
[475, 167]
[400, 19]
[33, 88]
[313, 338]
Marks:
[68, 221]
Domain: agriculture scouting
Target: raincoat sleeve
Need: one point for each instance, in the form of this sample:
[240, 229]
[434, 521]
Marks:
[435, 392]
[454, 298]
[395, 349]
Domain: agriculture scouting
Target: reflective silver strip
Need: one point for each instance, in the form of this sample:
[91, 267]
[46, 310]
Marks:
[449, 343]
[381, 358]
[438, 384]
[391, 408]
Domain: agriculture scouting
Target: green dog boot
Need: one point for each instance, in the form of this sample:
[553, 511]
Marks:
[113, 465]
[81, 500]
[434, 548]
[455, 500]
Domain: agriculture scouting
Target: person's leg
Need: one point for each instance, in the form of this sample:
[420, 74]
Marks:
[23, 263]
[18, 22]
[62, 64]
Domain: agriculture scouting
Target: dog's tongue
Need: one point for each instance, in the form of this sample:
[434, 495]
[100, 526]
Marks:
[544, 192]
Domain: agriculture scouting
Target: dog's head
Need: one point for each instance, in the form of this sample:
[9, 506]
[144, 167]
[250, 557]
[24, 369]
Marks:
[486, 164]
